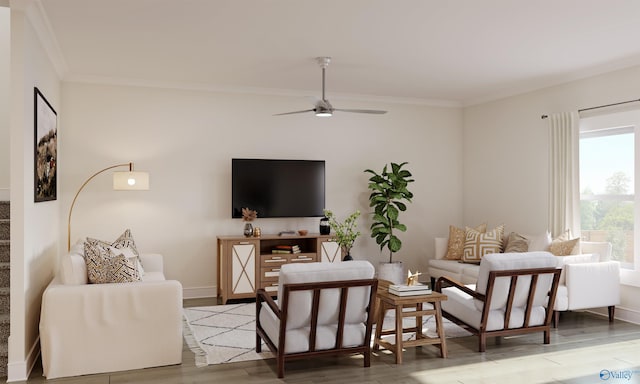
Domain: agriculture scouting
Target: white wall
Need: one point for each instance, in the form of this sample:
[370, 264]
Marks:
[34, 227]
[4, 101]
[186, 140]
[506, 155]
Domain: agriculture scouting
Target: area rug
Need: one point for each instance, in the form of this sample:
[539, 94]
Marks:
[227, 333]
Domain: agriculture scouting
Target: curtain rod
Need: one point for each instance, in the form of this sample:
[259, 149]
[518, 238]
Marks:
[600, 106]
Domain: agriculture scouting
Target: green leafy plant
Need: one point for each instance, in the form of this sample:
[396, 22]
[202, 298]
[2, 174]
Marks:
[345, 232]
[389, 191]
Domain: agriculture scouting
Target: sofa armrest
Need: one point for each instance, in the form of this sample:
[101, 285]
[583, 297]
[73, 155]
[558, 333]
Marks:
[152, 262]
[109, 327]
[592, 285]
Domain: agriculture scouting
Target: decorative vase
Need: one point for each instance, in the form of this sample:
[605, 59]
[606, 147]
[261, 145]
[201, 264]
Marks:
[347, 257]
[393, 272]
[325, 228]
[248, 229]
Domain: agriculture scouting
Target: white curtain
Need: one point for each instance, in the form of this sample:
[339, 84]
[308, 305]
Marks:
[564, 174]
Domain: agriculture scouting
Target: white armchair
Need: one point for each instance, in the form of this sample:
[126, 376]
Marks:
[323, 308]
[511, 296]
[95, 328]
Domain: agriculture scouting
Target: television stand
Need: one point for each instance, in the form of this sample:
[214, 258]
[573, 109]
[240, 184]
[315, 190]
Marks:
[246, 264]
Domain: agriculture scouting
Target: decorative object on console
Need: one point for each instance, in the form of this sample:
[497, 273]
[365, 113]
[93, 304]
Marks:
[303, 232]
[248, 215]
[345, 233]
[122, 181]
[325, 228]
[388, 193]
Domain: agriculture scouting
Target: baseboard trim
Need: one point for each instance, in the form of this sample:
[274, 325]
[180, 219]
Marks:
[20, 371]
[622, 313]
[200, 292]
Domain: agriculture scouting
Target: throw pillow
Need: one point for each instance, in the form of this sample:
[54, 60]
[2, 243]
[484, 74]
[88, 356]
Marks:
[122, 243]
[565, 247]
[478, 244]
[455, 246]
[516, 243]
[540, 242]
[103, 266]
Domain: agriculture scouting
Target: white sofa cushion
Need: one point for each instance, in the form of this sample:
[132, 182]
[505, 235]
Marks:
[462, 306]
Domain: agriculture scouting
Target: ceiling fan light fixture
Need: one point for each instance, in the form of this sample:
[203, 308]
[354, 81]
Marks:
[324, 114]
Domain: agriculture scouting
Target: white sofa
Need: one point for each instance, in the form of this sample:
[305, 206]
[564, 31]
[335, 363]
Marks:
[588, 280]
[95, 328]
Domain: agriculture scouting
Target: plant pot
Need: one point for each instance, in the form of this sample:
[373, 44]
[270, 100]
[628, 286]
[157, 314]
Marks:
[393, 272]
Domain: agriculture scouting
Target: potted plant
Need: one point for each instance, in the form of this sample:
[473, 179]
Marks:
[388, 195]
[345, 232]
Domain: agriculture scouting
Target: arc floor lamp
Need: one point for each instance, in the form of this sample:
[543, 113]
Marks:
[122, 181]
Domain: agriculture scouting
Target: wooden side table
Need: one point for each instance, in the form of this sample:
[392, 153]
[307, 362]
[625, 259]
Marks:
[388, 301]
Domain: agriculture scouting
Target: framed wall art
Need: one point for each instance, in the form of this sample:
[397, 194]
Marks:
[45, 148]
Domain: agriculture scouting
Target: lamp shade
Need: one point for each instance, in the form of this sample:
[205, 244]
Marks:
[131, 181]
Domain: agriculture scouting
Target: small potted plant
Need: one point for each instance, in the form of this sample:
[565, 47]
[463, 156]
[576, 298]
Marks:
[388, 194]
[248, 215]
[345, 233]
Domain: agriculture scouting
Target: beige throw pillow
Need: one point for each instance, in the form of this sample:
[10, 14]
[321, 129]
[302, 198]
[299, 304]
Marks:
[478, 244]
[516, 243]
[565, 248]
[564, 245]
[455, 246]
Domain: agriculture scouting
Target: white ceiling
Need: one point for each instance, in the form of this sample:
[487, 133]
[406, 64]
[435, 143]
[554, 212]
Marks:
[451, 51]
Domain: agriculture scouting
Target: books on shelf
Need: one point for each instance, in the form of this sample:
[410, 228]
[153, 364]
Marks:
[286, 249]
[410, 290]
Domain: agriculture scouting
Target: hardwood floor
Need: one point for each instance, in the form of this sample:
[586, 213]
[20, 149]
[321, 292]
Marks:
[584, 345]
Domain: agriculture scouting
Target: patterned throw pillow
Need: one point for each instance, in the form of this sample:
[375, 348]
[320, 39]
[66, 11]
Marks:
[456, 241]
[516, 243]
[103, 266]
[478, 244]
[124, 243]
[565, 247]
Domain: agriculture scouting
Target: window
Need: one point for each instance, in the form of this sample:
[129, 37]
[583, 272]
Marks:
[608, 206]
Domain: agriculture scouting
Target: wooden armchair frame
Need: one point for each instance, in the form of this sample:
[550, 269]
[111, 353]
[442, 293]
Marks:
[264, 297]
[513, 274]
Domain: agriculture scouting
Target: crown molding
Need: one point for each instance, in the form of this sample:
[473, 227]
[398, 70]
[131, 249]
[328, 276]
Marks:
[204, 87]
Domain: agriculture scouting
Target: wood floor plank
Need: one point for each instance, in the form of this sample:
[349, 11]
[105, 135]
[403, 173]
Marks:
[580, 348]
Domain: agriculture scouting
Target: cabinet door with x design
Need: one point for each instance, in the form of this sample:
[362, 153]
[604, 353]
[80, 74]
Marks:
[237, 269]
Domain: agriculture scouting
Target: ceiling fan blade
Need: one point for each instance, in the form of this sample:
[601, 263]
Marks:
[371, 111]
[291, 113]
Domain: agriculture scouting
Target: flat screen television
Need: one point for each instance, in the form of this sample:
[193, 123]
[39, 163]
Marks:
[278, 188]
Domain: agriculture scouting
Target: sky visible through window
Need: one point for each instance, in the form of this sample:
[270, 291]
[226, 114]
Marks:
[601, 157]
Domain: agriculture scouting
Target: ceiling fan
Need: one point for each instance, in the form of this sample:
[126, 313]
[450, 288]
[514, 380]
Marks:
[323, 107]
